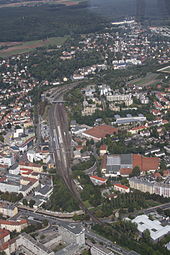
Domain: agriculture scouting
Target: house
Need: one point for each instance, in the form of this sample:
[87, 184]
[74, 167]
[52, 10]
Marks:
[12, 225]
[8, 209]
[103, 149]
[136, 130]
[121, 188]
[98, 180]
[7, 245]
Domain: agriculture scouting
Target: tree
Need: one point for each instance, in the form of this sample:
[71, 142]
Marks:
[135, 171]
[1, 138]
[31, 203]
[25, 202]
[45, 222]
[146, 235]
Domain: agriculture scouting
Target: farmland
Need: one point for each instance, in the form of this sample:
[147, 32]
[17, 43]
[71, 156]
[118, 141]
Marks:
[28, 3]
[13, 48]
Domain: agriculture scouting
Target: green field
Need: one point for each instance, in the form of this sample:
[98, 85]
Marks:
[24, 47]
[149, 79]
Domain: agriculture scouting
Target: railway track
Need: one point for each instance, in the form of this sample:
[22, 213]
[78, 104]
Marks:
[62, 148]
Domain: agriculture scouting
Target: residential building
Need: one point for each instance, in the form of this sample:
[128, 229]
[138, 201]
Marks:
[72, 233]
[146, 184]
[121, 188]
[29, 245]
[103, 149]
[8, 209]
[98, 180]
[100, 250]
[12, 225]
[31, 166]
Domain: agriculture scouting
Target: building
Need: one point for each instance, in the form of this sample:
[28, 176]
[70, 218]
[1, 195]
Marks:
[99, 250]
[18, 184]
[145, 184]
[157, 231]
[8, 209]
[123, 164]
[11, 225]
[98, 180]
[99, 132]
[31, 166]
[4, 236]
[103, 149]
[121, 188]
[129, 119]
[29, 245]
[72, 233]
[136, 130]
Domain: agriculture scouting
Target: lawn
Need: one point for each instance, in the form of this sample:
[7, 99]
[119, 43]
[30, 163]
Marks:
[24, 47]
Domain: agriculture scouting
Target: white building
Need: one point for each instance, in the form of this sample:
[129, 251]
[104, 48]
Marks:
[157, 231]
[121, 188]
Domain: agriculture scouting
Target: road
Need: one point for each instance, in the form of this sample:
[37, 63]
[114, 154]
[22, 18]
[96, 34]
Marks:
[107, 243]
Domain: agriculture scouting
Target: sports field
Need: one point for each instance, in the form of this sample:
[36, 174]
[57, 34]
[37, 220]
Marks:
[8, 49]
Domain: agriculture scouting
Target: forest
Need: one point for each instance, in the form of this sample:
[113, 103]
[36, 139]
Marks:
[41, 22]
[32, 23]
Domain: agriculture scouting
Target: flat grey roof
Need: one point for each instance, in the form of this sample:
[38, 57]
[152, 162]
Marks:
[113, 160]
[126, 158]
[72, 227]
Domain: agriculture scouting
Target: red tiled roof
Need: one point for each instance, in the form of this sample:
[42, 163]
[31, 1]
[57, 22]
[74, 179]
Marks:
[22, 163]
[138, 128]
[166, 172]
[157, 174]
[103, 147]
[125, 171]
[26, 170]
[2, 179]
[3, 233]
[98, 178]
[101, 131]
[5, 245]
[121, 186]
[104, 162]
[12, 222]
[145, 163]
[29, 179]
